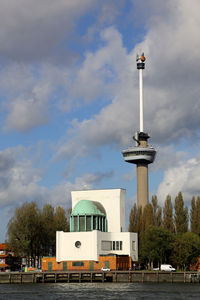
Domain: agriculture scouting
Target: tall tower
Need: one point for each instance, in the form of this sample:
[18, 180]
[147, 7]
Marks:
[142, 154]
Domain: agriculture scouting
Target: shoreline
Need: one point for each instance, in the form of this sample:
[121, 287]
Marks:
[99, 276]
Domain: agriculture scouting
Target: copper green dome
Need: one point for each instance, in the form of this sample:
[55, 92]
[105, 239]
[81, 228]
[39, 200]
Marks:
[88, 207]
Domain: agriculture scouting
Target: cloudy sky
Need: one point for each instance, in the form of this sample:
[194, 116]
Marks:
[69, 97]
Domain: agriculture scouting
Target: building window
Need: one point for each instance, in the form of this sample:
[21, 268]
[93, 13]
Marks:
[117, 245]
[106, 245]
[81, 223]
[94, 222]
[77, 244]
[77, 264]
[120, 245]
[88, 223]
[133, 245]
[113, 245]
[75, 224]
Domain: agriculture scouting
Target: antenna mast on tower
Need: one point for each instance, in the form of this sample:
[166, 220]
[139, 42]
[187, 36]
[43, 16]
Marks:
[142, 154]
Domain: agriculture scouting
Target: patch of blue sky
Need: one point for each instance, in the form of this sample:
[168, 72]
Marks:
[155, 178]
[133, 30]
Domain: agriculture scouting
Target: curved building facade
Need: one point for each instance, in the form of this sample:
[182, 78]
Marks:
[88, 215]
[97, 228]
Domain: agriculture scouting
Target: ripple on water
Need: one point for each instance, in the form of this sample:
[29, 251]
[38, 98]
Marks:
[134, 291]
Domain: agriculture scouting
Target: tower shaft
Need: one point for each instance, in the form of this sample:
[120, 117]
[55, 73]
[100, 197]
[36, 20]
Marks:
[142, 185]
[142, 180]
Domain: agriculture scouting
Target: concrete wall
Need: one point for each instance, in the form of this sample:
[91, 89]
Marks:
[66, 249]
[91, 245]
[113, 200]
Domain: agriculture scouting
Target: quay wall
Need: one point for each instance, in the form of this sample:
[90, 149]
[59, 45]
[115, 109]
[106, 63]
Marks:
[98, 276]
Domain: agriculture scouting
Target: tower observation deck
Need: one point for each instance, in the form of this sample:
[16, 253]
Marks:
[141, 154]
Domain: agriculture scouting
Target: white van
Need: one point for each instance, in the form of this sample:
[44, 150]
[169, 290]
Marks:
[167, 268]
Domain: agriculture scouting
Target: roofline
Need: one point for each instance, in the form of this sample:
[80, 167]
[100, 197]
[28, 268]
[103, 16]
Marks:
[98, 189]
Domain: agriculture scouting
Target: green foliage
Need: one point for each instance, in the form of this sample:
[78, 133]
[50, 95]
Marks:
[166, 239]
[195, 215]
[31, 232]
[186, 249]
[181, 215]
[133, 219]
[23, 229]
[136, 219]
[168, 222]
[157, 212]
[148, 217]
[157, 245]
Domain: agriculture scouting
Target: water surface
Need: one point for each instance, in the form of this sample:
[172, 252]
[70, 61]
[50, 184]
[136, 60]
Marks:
[106, 291]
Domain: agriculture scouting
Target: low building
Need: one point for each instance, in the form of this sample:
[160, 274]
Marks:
[8, 261]
[97, 236]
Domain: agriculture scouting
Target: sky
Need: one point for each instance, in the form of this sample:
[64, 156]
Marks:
[69, 100]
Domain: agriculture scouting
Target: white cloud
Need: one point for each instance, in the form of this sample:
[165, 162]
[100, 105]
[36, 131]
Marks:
[167, 157]
[184, 177]
[19, 178]
[171, 88]
[27, 94]
[20, 181]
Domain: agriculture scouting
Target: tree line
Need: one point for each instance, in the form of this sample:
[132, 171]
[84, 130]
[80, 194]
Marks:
[164, 235]
[31, 232]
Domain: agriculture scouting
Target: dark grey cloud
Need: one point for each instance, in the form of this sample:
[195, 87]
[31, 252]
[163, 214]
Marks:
[32, 30]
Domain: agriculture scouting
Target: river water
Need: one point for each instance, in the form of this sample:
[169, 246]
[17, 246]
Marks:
[106, 291]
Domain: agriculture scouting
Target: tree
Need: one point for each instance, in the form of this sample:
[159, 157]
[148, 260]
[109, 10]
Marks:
[185, 249]
[24, 231]
[133, 219]
[168, 215]
[32, 232]
[157, 245]
[49, 229]
[193, 216]
[157, 211]
[181, 214]
[147, 216]
[198, 214]
[60, 220]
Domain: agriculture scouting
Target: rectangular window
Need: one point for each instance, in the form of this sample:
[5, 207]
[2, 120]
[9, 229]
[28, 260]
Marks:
[117, 245]
[94, 222]
[81, 223]
[77, 264]
[133, 245]
[75, 224]
[106, 245]
[120, 245]
[88, 222]
[113, 245]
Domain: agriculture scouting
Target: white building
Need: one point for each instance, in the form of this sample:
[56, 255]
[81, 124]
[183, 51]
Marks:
[97, 227]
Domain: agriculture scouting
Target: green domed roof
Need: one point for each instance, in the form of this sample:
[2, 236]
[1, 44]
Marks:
[87, 207]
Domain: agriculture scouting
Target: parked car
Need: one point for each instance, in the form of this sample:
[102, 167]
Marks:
[105, 269]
